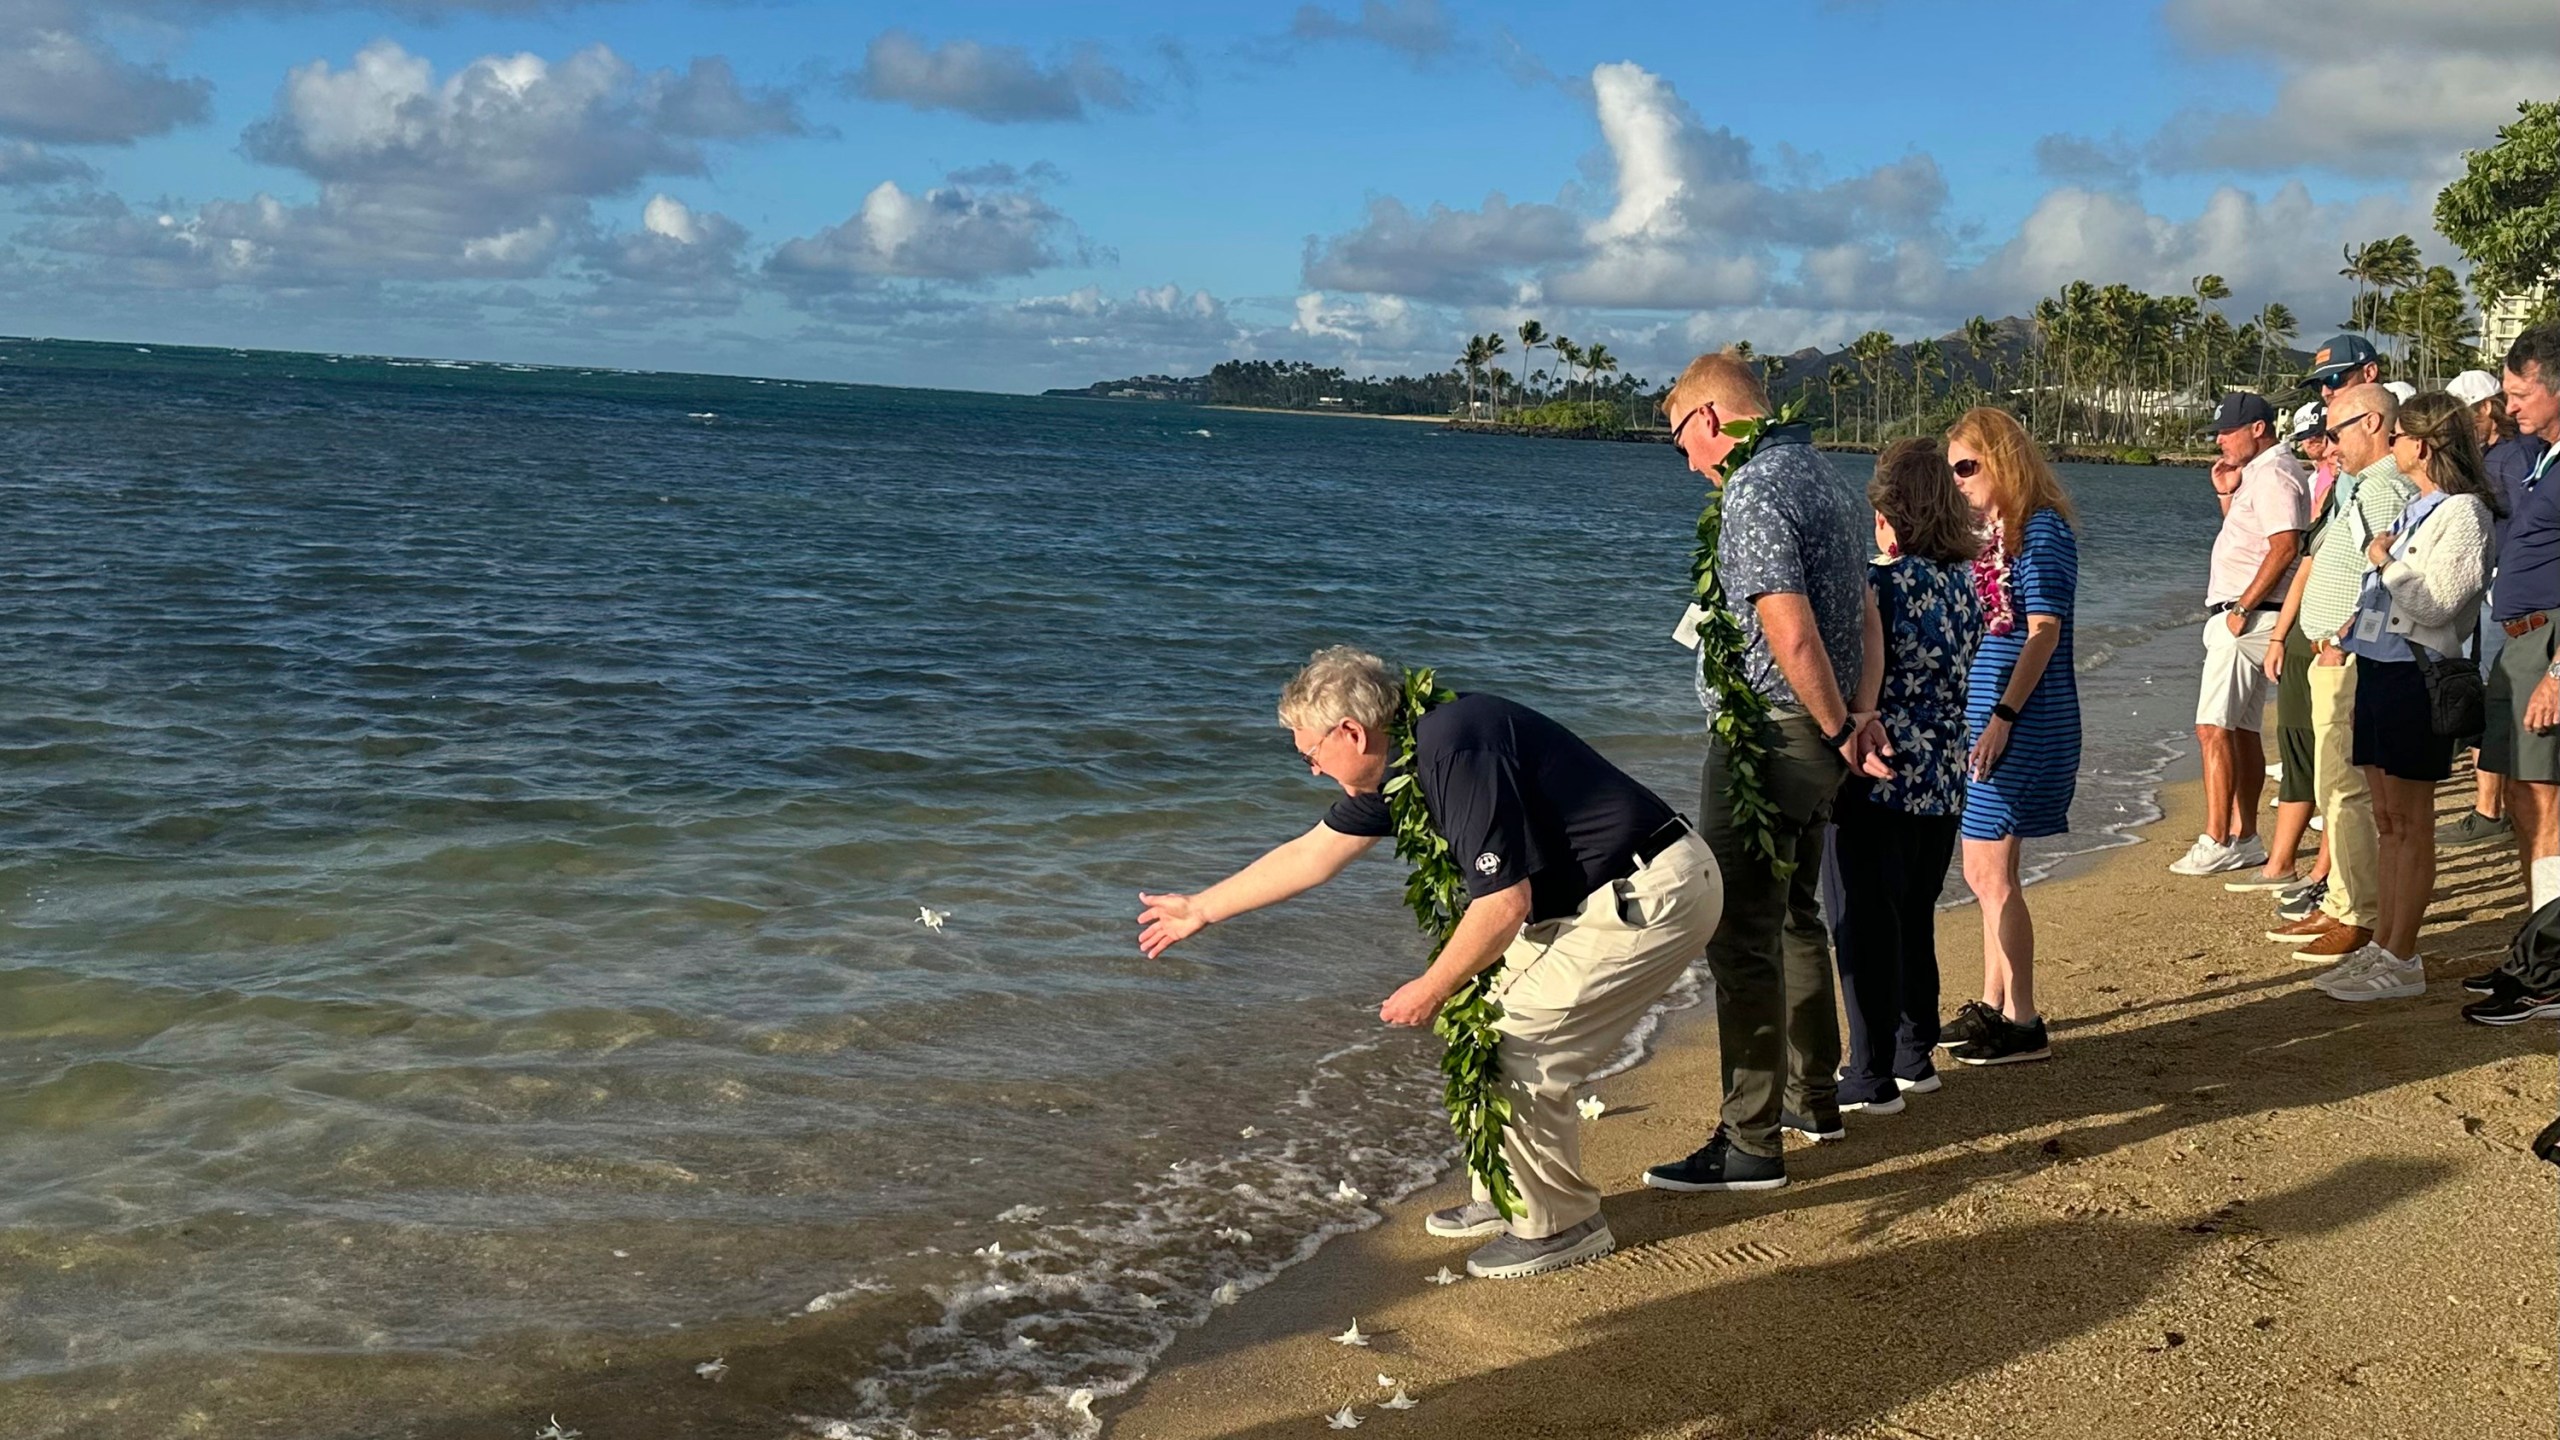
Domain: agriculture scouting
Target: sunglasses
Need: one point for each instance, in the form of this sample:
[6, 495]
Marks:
[2338, 428]
[1707, 408]
[1965, 469]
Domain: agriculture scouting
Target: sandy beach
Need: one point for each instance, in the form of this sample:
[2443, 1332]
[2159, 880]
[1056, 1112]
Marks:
[2228, 1206]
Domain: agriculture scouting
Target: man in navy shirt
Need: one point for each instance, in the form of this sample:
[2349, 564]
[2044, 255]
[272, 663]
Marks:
[2523, 739]
[1592, 894]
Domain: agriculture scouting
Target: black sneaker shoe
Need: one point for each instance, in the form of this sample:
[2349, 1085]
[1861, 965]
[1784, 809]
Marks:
[1816, 1130]
[1718, 1166]
[2513, 1006]
[2298, 902]
[1973, 1021]
[2490, 982]
[2007, 1044]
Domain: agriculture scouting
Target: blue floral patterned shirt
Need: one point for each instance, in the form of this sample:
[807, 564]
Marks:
[1932, 623]
[1793, 525]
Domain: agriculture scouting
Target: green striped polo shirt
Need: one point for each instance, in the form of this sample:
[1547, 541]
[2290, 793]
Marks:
[2378, 492]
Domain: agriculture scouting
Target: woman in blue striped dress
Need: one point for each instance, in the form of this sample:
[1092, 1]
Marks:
[2023, 707]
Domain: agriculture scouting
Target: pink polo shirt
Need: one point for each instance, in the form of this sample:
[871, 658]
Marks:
[2274, 497]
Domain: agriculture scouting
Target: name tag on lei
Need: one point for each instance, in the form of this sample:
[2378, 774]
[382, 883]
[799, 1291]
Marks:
[1686, 632]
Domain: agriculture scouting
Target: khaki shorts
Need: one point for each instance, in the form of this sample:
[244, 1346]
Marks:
[2509, 748]
[2234, 694]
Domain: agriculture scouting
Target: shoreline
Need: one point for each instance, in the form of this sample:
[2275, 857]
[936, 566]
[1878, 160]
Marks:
[1331, 414]
[2215, 1192]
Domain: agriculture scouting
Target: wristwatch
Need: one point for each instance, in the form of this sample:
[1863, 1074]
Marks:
[2554, 671]
[1848, 728]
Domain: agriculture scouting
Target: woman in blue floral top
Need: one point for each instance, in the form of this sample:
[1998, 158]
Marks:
[1897, 835]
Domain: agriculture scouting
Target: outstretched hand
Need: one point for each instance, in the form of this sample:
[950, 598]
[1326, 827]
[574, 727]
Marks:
[1167, 921]
[1414, 1004]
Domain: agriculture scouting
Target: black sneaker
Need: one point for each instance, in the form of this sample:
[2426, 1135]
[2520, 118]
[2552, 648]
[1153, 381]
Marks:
[2298, 902]
[2513, 1006]
[1973, 1021]
[1815, 1130]
[1718, 1166]
[2490, 982]
[2007, 1044]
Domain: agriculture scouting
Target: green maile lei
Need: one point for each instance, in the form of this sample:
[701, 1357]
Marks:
[1471, 1072]
[1742, 716]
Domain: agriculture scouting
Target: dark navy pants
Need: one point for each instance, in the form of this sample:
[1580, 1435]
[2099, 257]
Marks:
[1884, 932]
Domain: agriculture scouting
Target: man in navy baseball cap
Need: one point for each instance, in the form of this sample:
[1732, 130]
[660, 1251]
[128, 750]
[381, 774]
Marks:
[2346, 361]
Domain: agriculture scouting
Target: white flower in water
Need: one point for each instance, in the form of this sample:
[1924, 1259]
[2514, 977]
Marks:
[1398, 1401]
[1235, 1236]
[1445, 1277]
[621, 1254]
[1250, 1131]
[1149, 1302]
[1080, 1402]
[930, 918]
[712, 1370]
[1022, 1214]
[992, 1250]
[556, 1431]
[1226, 1294]
[1590, 1106]
[1345, 1190]
[1352, 1336]
[1342, 1419]
[1025, 1342]
[1177, 1167]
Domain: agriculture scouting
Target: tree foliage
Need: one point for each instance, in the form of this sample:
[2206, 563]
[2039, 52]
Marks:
[2504, 210]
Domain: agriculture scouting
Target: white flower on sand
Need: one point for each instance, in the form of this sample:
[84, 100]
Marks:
[1235, 1236]
[1345, 1190]
[1148, 1302]
[621, 1254]
[1250, 1131]
[1025, 1342]
[1226, 1294]
[1352, 1336]
[1386, 1382]
[1445, 1277]
[1398, 1401]
[1590, 1106]
[1022, 1214]
[992, 1250]
[1342, 1419]
[556, 1431]
[712, 1370]
[930, 918]
[1080, 1402]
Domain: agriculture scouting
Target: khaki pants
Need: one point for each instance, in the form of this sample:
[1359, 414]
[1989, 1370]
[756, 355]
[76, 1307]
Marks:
[2346, 807]
[1570, 990]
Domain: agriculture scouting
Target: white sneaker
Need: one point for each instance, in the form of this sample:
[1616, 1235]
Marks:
[2355, 964]
[2209, 856]
[2389, 978]
[2248, 853]
[1893, 1106]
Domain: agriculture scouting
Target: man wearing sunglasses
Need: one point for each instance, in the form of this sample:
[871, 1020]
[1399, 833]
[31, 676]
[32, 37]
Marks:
[2345, 362]
[1792, 556]
[2364, 501]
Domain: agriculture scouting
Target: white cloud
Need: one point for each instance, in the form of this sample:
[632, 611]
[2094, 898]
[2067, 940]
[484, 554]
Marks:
[681, 261]
[61, 82]
[999, 83]
[1445, 254]
[953, 232]
[25, 164]
[2365, 87]
[1416, 29]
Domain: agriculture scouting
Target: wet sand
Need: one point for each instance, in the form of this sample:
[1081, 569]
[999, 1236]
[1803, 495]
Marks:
[2228, 1206]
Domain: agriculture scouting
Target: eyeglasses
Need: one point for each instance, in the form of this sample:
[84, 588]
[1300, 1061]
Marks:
[2338, 428]
[1708, 408]
[1308, 757]
[1965, 469]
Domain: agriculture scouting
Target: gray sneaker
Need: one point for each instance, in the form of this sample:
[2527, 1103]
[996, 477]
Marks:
[1511, 1257]
[1465, 1222]
[2472, 829]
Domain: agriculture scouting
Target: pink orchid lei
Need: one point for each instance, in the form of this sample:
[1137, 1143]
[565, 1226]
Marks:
[1991, 580]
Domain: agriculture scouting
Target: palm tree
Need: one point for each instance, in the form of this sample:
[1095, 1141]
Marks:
[1472, 361]
[1870, 351]
[1927, 361]
[1597, 361]
[1835, 380]
[2276, 328]
[1493, 346]
[1568, 355]
[2208, 289]
[1978, 334]
[1533, 336]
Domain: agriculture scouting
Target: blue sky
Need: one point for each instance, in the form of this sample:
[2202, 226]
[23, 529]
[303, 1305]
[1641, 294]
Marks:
[1009, 196]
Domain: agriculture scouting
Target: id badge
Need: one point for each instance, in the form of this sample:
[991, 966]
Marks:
[1686, 632]
[2370, 625]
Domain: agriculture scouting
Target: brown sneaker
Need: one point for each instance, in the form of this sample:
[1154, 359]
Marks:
[2305, 930]
[2340, 942]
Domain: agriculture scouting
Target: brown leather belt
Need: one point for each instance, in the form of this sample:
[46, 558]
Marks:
[2518, 629]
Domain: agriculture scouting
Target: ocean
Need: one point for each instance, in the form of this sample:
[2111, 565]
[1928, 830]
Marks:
[463, 828]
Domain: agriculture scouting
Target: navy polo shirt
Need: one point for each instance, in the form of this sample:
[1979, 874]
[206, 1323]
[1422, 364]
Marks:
[2529, 564]
[1518, 797]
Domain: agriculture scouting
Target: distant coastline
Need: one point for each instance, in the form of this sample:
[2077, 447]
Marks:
[1331, 414]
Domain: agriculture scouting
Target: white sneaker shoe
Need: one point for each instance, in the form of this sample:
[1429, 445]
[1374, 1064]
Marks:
[2209, 856]
[2356, 963]
[2389, 978]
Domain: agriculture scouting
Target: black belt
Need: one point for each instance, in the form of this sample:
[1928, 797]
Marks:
[1651, 847]
[2223, 607]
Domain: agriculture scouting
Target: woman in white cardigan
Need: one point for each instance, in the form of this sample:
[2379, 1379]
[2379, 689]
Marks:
[2424, 591]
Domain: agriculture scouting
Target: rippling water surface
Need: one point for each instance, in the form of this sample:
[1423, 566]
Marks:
[461, 833]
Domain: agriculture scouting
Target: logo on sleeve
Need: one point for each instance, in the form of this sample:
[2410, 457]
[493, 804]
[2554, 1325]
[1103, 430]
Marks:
[1487, 863]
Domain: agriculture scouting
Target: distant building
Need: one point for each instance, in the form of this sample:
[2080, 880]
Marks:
[2503, 320]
